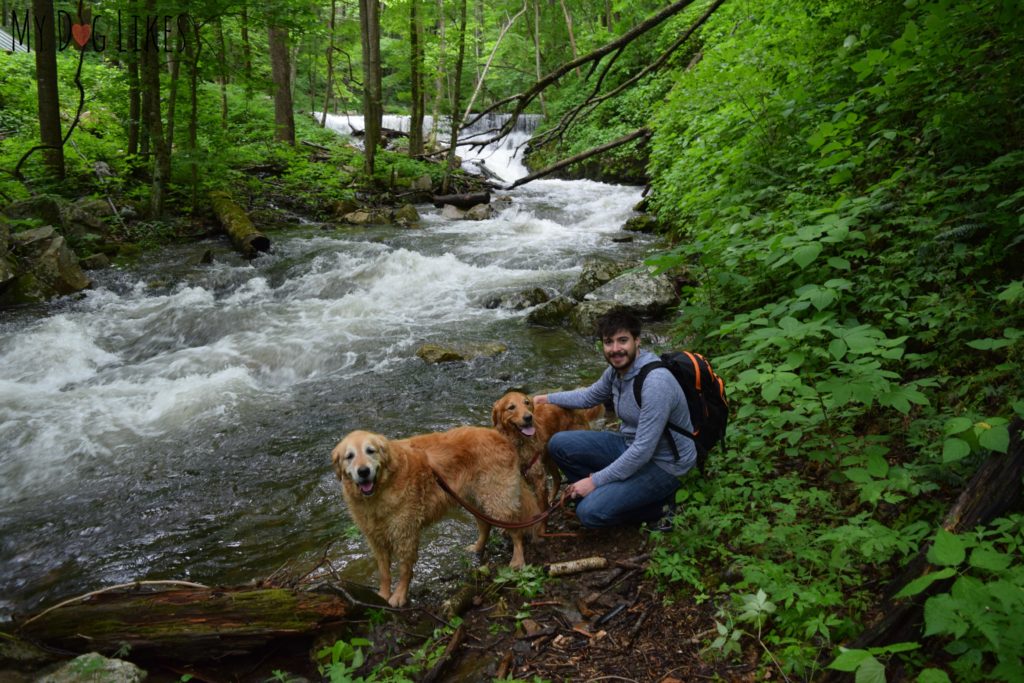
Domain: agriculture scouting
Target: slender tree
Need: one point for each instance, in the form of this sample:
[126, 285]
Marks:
[456, 90]
[373, 110]
[329, 91]
[416, 76]
[48, 96]
[280, 67]
[151, 58]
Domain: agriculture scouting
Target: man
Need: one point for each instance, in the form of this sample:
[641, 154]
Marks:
[626, 476]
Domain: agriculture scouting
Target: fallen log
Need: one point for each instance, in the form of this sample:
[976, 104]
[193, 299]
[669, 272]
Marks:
[194, 624]
[236, 223]
[463, 201]
[994, 491]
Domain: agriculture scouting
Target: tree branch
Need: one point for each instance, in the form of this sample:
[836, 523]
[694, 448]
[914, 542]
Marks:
[636, 134]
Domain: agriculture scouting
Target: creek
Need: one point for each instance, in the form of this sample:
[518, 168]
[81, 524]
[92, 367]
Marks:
[176, 420]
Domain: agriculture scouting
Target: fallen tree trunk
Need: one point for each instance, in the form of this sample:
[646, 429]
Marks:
[236, 223]
[994, 491]
[463, 201]
[639, 133]
[194, 624]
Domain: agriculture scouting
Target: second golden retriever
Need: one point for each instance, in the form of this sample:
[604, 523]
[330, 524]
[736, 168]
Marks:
[392, 494]
[529, 427]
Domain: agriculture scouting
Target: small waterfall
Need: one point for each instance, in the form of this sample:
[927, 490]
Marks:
[502, 157]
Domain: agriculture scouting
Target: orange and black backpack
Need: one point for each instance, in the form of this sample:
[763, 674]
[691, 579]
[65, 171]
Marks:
[705, 396]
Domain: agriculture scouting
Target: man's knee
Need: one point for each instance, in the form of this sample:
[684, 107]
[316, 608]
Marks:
[593, 516]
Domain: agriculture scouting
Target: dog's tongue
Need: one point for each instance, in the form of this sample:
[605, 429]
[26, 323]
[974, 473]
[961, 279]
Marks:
[528, 431]
[366, 488]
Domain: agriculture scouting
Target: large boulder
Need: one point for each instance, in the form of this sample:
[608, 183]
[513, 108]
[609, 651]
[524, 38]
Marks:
[87, 216]
[647, 294]
[552, 313]
[47, 209]
[479, 212]
[583, 317]
[596, 272]
[45, 267]
[95, 667]
[406, 214]
[519, 301]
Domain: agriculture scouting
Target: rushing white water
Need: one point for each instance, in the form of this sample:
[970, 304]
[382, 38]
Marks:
[176, 420]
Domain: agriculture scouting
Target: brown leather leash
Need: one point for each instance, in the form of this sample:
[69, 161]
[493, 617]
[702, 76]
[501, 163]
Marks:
[495, 522]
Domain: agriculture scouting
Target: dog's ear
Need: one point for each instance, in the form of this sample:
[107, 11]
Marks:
[496, 410]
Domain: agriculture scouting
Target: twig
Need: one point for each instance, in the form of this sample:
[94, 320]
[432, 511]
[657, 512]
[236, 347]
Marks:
[133, 584]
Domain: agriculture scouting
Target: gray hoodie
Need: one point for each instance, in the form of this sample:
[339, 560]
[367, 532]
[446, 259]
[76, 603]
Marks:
[644, 429]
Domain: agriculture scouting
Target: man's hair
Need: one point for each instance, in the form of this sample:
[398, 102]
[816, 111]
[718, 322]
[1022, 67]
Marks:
[619, 318]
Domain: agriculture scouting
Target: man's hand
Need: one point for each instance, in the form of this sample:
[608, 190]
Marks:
[540, 399]
[582, 488]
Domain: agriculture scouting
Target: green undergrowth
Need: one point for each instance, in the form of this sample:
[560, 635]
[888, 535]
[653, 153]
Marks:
[844, 190]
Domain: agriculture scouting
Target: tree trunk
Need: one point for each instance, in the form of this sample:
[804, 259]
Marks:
[369, 21]
[284, 116]
[536, 51]
[236, 223]
[194, 47]
[222, 66]
[191, 624]
[463, 201]
[456, 93]
[572, 35]
[46, 87]
[416, 68]
[154, 123]
[329, 90]
[439, 79]
[246, 47]
[134, 104]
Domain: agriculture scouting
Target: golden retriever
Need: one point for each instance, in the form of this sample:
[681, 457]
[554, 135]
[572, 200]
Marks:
[530, 427]
[392, 494]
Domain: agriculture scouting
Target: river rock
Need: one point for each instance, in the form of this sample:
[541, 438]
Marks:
[645, 223]
[479, 212]
[552, 313]
[47, 209]
[520, 300]
[367, 217]
[45, 267]
[87, 216]
[423, 184]
[452, 213]
[583, 317]
[93, 667]
[343, 207]
[407, 214]
[436, 353]
[94, 262]
[649, 295]
[596, 272]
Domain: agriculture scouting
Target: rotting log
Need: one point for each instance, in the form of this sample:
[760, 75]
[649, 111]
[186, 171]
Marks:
[194, 624]
[236, 223]
[463, 201]
[994, 491]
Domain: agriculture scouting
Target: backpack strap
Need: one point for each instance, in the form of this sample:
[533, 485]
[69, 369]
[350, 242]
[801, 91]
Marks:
[638, 383]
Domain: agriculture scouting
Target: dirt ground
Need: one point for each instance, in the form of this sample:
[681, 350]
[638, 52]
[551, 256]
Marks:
[607, 624]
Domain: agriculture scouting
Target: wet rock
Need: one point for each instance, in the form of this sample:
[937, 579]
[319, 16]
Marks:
[436, 353]
[44, 267]
[95, 667]
[520, 300]
[553, 313]
[596, 272]
[344, 207]
[407, 215]
[94, 262]
[643, 223]
[423, 184]
[479, 212]
[452, 213]
[87, 216]
[47, 209]
[368, 217]
[649, 295]
[583, 318]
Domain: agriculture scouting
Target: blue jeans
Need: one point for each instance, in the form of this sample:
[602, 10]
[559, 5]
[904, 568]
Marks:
[637, 499]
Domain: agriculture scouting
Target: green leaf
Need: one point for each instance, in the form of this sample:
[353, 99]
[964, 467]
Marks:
[920, 583]
[989, 344]
[940, 615]
[838, 263]
[995, 438]
[990, 560]
[958, 425]
[870, 671]
[837, 349]
[948, 549]
[955, 449]
[806, 254]
[933, 676]
[849, 660]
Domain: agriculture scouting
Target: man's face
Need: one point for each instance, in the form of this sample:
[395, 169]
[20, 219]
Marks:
[620, 349]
